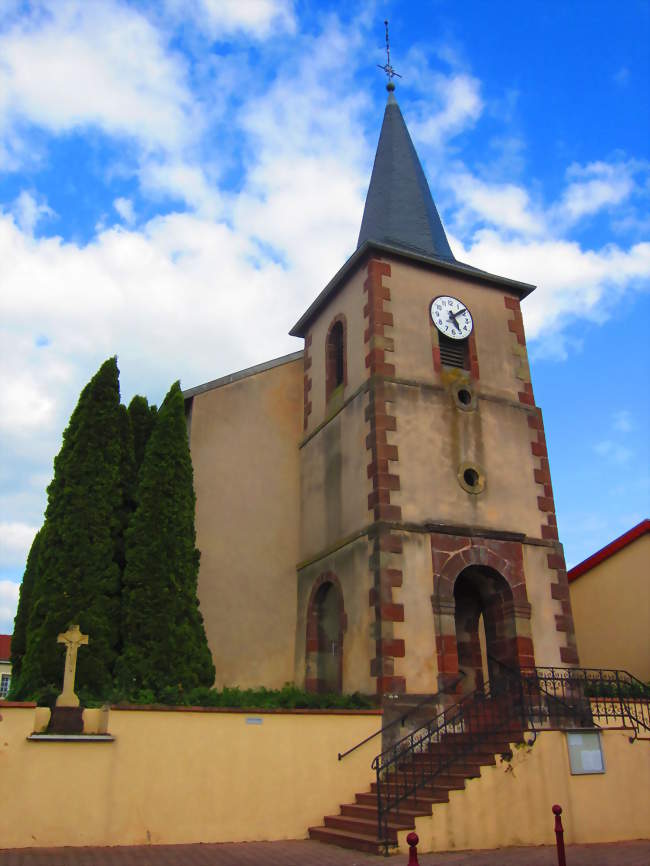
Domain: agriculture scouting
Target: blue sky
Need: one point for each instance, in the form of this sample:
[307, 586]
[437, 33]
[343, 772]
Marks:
[180, 178]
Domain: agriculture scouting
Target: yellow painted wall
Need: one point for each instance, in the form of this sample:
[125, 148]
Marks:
[179, 777]
[244, 444]
[510, 804]
[611, 611]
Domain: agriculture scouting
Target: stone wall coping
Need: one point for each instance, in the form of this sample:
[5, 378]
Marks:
[71, 738]
[269, 711]
[17, 705]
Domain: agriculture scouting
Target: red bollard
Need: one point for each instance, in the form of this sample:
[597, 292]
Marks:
[559, 835]
[412, 841]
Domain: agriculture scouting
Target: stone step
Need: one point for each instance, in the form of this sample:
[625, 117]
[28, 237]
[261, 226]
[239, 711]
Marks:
[462, 754]
[467, 763]
[420, 801]
[458, 755]
[360, 826]
[369, 844]
[486, 741]
[435, 787]
[404, 819]
[454, 768]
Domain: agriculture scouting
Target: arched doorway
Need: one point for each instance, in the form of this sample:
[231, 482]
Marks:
[325, 628]
[486, 636]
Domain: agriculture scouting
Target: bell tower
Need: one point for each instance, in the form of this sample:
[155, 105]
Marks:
[429, 545]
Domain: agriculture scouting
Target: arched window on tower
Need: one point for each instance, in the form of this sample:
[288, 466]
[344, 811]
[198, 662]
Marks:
[335, 360]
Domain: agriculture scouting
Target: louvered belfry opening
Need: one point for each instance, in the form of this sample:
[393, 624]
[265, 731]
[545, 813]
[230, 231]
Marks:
[453, 353]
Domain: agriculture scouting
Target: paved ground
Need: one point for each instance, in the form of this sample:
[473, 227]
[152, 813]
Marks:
[316, 854]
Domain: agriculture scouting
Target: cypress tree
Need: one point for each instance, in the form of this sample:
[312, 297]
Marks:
[78, 565]
[164, 642]
[128, 472]
[143, 419]
[19, 637]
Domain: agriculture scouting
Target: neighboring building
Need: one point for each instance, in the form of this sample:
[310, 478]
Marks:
[610, 597]
[5, 664]
[372, 510]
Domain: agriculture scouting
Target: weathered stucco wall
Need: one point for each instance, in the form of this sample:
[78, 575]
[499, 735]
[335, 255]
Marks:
[611, 610]
[428, 438]
[334, 485]
[415, 288]
[510, 804]
[434, 438]
[544, 608]
[350, 566]
[419, 665]
[244, 442]
[348, 302]
[176, 777]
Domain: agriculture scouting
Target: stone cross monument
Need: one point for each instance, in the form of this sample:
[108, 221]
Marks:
[73, 639]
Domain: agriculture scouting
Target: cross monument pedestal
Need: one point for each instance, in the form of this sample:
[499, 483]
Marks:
[67, 716]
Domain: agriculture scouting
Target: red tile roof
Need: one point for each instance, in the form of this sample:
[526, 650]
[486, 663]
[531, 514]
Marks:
[5, 647]
[609, 549]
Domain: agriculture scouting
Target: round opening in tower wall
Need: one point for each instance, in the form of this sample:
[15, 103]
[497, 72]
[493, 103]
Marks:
[471, 477]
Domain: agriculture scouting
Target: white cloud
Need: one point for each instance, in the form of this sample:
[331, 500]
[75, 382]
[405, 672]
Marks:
[220, 18]
[72, 65]
[597, 185]
[183, 182]
[8, 604]
[28, 211]
[15, 541]
[571, 280]
[459, 107]
[504, 205]
[124, 207]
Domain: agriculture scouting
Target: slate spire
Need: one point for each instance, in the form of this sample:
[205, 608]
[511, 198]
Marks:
[399, 208]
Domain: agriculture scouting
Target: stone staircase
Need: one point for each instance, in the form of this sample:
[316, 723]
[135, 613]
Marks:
[356, 825]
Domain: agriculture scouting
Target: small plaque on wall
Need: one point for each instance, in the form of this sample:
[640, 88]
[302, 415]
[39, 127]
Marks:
[585, 753]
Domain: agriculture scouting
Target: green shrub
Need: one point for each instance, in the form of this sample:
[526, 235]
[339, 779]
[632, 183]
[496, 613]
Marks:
[289, 697]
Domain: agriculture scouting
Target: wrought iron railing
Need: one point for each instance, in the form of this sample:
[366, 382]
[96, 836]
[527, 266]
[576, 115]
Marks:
[408, 712]
[488, 719]
[610, 696]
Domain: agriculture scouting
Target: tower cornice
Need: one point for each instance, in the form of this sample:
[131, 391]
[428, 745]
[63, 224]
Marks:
[356, 260]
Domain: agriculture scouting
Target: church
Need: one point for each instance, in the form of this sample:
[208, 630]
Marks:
[375, 513]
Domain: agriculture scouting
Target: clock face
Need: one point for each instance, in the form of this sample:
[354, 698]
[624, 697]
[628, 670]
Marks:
[451, 317]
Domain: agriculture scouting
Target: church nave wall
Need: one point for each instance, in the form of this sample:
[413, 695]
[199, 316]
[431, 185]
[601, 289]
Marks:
[244, 445]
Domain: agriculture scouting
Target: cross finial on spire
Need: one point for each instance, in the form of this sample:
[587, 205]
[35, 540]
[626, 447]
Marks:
[388, 69]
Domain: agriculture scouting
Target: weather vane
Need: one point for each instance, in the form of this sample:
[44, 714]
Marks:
[388, 69]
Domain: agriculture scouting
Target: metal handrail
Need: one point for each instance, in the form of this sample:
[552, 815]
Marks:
[404, 717]
[464, 717]
[532, 698]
